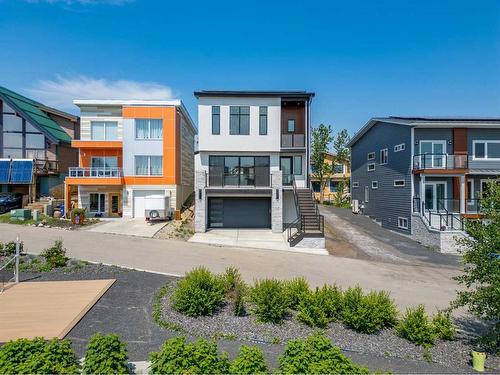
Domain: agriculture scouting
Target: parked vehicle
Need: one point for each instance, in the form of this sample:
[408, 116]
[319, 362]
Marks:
[9, 201]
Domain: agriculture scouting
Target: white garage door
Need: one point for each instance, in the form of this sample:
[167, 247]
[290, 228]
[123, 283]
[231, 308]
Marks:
[140, 200]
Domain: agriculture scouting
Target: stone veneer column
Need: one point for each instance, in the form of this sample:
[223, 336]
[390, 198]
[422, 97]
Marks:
[200, 211]
[277, 202]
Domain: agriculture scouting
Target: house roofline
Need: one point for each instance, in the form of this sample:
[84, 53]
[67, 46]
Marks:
[245, 93]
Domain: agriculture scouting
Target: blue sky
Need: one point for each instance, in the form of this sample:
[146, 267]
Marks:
[362, 58]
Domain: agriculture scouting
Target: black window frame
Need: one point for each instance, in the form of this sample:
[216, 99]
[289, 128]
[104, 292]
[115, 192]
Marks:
[238, 116]
[261, 170]
[263, 120]
[215, 120]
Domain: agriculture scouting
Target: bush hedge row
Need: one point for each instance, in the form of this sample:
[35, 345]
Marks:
[202, 293]
[106, 354]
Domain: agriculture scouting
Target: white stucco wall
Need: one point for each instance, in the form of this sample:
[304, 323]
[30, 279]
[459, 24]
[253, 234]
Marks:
[252, 142]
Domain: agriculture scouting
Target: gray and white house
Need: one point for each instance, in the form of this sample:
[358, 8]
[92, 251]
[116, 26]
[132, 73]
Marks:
[251, 166]
[423, 175]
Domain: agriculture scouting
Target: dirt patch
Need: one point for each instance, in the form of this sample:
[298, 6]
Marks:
[179, 229]
[338, 245]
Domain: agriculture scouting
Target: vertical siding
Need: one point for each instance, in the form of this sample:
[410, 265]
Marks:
[386, 203]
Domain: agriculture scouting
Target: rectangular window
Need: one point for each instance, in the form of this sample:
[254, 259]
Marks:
[355, 184]
[14, 140]
[297, 165]
[315, 186]
[367, 194]
[104, 162]
[371, 167]
[334, 185]
[291, 126]
[338, 168]
[12, 123]
[402, 222]
[36, 141]
[215, 120]
[263, 120]
[148, 128]
[371, 156]
[384, 156]
[103, 130]
[486, 149]
[399, 147]
[239, 120]
[148, 165]
[374, 184]
[238, 171]
[399, 183]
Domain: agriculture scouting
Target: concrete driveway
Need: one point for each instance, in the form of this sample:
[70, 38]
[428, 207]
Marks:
[129, 227]
[409, 284]
[358, 236]
[251, 238]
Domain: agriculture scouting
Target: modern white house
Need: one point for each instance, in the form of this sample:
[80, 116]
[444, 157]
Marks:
[251, 166]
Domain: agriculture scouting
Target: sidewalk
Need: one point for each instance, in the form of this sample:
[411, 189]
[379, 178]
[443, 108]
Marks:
[409, 284]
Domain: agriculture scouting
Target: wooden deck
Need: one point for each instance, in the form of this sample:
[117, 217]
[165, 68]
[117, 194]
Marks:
[47, 308]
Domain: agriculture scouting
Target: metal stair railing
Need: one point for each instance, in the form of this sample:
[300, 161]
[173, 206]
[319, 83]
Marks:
[13, 258]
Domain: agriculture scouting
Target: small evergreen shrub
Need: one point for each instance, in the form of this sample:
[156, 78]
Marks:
[368, 313]
[295, 289]
[316, 355]
[320, 307]
[443, 326]
[38, 356]
[179, 357]
[106, 355]
[416, 327]
[270, 300]
[235, 289]
[55, 256]
[332, 300]
[9, 248]
[199, 293]
[239, 308]
[231, 279]
[250, 360]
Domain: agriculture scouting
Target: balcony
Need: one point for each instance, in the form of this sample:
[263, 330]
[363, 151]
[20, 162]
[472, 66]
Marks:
[440, 162]
[293, 140]
[95, 172]
[243, 180]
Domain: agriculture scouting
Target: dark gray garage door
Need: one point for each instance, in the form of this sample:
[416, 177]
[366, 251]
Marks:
[239, 213]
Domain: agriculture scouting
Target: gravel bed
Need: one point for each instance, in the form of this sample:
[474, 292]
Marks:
[453, 354]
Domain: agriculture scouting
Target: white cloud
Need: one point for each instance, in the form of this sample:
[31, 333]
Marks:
[62, 91]
[81, 2]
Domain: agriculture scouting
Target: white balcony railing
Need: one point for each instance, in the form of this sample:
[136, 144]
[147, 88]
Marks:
[95, 172]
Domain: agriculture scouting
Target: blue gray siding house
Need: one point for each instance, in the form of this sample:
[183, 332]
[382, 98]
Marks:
[422, 176]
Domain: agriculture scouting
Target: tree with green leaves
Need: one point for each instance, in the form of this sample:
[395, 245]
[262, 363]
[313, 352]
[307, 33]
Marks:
[320, 142]
[481, 259]
[342, 155]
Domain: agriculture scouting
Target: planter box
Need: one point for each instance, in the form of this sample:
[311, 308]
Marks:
[20, 214]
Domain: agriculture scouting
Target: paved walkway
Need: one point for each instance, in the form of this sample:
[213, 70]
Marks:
[408, 284]
[371, 241]
[129, 227]
[252, 238]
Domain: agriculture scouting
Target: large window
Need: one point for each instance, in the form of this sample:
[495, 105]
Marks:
[215, 120]
[297, 165]
[148, 128]
[239, 171]
[104, 130]
[239, 120]
[20, 138]
[334, 186]
[104, 162]
[148, 165]
[263, 120]
[486, 149]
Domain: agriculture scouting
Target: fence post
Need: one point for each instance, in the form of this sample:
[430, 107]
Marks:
[16, 270]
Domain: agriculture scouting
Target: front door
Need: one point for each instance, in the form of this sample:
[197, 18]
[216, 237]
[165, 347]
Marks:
[435, 196]
[114, 204]
[286, 166]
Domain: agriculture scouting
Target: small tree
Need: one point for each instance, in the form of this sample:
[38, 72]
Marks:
[481, 258]
[321, 139]
[342, 155]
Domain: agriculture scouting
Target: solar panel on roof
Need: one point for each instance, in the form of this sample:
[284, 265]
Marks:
[21, 172]
[4, 171]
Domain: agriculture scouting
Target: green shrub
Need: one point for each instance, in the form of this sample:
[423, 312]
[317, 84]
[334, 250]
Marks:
[295, 289]
[9, 248]
[250, 360]
[443, 326]
[316, 355]
[106, 355]
[199, 293]
[270, 300]
[239, 301]
[235, 289]
[368, 313]
[416, 327]
[38, 356]
[179, 357]
[55, 256]
[231, 279]
[320, 307]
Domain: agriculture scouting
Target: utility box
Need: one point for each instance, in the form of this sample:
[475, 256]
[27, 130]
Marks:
[20, 214]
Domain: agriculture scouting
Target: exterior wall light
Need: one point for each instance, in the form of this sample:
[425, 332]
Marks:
[199, 194]
[277, 193]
